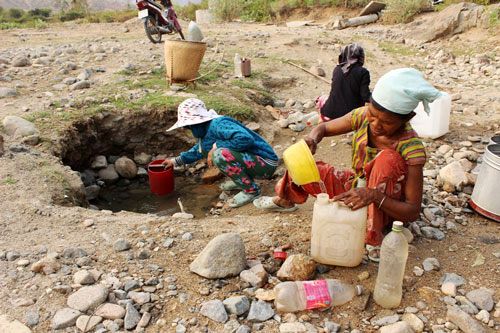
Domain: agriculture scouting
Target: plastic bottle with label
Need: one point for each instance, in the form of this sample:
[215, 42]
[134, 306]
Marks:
[296, 296]
[391, 270]
[237, 65]
[337, 233]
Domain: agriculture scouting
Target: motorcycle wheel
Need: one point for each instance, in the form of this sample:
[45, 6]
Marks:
[152, 31]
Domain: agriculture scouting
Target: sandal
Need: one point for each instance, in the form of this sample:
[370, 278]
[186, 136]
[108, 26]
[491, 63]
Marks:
[267, 203]
[229, 186]
[243, 198]
[373, 253]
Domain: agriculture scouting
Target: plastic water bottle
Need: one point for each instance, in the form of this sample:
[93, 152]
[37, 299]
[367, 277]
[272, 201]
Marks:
[391, 270]
[237, 66]
[296, 296]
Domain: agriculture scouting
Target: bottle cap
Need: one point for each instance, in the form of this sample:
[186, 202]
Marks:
[397, 226]
[359, 290]
[280, 255]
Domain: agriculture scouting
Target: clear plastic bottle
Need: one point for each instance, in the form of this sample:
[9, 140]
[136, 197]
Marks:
[391, 270]
[237, 65]
[337, 233]
[295, 296]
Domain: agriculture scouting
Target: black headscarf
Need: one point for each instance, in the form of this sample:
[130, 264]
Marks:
[351, 54]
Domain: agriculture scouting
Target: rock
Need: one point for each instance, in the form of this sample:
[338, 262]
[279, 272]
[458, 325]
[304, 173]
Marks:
[132, 317]
[145, 319]
[331, 327]
[92, 192]
[88, 298]
[386, 320]
[454, 174]
[256, 276]
[109, 174]
[317, 71]
[432, 233]
[87, 323]
[265, 295]
[65, 318]
[19, 127]
[122, 245]
[21, 61]
[399, 327]
[139, 297]
[84, 75]
[222, 257]
[456, 279]
[80, 85]
[12, 255]
[83, 277]
[431, 264]
[465, 322]
[260, 311]
[126, 167]
[48, 265]
[482, 298]
[417, 271]
[443, 149]
[11, 325]
[69, 81]
[211, 175]
[449, 289]
[466, 305]
[142, 158]
[365, 275]
[237, 305]
[110, 311]
[253, 126]
[483, 316]
[187, 236]
[31, 318]
[292, 328]
[416, 323]
[99, 162]
[214, 310]
[297, 267]
[7, 92]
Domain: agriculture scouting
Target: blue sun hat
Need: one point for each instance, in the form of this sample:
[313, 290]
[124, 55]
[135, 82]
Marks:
[400, 91]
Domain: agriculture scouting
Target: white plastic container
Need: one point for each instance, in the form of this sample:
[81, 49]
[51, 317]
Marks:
[237, 66]
[391, 270]
[437, 122]
[338, 233]
[296, 296]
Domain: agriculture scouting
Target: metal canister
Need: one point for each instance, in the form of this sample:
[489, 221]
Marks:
[495, 140]
[484, 198]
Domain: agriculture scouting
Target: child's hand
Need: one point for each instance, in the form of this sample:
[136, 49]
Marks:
[168, 163]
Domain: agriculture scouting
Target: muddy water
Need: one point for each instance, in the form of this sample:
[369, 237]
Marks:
[197, 198]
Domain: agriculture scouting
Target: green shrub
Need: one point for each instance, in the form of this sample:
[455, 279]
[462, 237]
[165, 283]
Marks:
[226, 10]
[402, 11]
[42, 13]
[188, 12]
[71, 15]
[257, 10]
[15, 13]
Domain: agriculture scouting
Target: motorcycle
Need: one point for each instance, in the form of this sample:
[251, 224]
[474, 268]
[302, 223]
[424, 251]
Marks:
[156, 21]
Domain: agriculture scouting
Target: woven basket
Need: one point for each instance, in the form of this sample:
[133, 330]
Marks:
[183, 59]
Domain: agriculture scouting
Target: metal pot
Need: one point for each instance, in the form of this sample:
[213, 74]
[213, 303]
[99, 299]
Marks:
[495, 140]
[484, 198]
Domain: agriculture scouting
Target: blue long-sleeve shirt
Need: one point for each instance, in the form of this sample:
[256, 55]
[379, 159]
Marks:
[228, 133]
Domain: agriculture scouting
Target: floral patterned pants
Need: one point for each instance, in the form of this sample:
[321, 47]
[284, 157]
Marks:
[386, 173]
[243, 168]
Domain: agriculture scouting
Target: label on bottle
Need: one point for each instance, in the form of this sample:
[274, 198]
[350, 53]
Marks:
[317, 295]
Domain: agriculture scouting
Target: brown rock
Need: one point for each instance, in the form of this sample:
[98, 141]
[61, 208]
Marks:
[212, 175]
[274, 112]
[297, 267]
[46, 266]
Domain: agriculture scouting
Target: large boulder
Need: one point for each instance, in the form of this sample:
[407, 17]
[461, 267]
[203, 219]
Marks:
[452, 20]
[126, 167]
[223, 256]
[19, 127]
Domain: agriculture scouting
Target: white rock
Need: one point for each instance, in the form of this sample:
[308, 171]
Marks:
[223, 256]
[19, 127]
[83, 277]
[88, 298]
[483, 316]
[418, 271]
[416, 323]
[87, 323]
[454, 174]
[65, 318]
[449, 288]
[11, 325]
[110, 311]
[431, 264]
[292, 328]
[399, 327]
